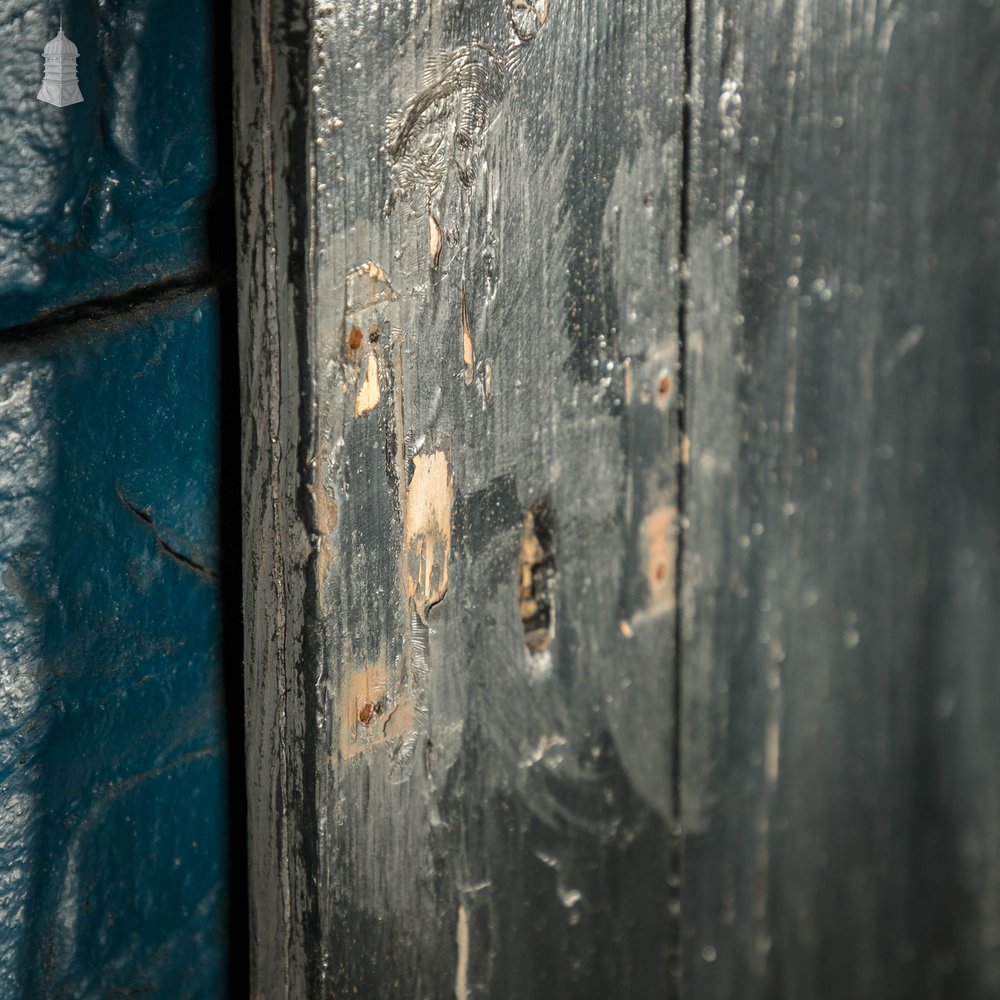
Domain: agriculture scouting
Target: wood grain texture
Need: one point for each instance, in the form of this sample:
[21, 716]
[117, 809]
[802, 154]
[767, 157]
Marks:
[840, 692]
[460, 338]
[462, 325]
[271, 60]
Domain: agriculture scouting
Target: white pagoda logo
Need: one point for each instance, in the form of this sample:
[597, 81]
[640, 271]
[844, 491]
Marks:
[60, 86]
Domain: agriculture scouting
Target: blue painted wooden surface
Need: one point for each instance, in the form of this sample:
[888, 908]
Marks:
[113, 764]
[112, 800]
[108, 195]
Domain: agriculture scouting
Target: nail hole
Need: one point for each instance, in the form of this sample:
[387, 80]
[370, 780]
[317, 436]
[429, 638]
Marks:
[536, 577]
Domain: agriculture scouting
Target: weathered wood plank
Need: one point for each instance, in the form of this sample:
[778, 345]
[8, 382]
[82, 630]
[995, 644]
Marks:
[840, 692]
[460, 469]
[271, 70]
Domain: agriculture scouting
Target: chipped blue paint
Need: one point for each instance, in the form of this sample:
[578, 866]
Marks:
[112, 756]
[101, 197]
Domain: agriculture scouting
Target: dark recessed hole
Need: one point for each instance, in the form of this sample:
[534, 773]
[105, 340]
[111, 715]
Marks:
[536, 577]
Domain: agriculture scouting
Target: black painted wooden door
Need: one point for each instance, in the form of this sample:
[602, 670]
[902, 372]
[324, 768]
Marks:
[621, 482]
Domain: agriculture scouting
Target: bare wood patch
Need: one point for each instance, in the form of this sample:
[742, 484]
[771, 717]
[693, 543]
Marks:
[369, 394]
[658, 544]
[326, 520]
[462, 963]
[362, 705]
[427, 531]
[468, 348]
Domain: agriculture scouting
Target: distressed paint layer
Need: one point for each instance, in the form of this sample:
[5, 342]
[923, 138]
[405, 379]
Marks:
[533, 783]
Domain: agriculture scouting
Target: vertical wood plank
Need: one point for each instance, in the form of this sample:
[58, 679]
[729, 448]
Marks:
[459, 354]
[841, 583]
[271, 63]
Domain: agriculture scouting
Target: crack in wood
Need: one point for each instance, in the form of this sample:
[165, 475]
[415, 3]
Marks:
[145, 518]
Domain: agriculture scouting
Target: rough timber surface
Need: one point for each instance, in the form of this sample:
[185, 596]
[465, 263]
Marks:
[842, 568]
[461, 332]
[459, 347]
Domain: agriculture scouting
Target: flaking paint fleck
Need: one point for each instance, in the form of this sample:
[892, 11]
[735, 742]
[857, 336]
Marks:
[368, 285]
[400, 720]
